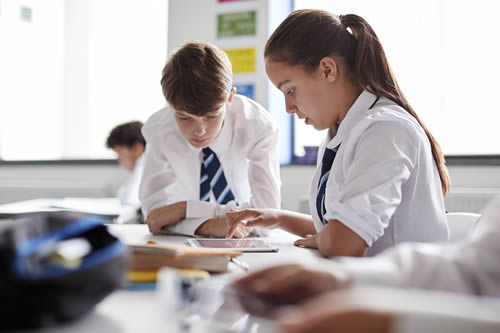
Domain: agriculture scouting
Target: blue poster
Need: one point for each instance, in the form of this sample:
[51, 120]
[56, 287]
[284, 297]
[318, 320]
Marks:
[245, 89]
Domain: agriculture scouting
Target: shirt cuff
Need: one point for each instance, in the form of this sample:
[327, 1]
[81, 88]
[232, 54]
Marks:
[198, 209]
[371, 271]
[187, 226]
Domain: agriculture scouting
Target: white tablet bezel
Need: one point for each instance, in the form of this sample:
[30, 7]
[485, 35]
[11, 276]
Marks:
[271, 248]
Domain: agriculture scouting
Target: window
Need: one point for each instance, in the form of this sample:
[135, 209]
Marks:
[445, 57]
[72, 70]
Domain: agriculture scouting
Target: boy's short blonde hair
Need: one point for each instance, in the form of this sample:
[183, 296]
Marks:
[197, 78]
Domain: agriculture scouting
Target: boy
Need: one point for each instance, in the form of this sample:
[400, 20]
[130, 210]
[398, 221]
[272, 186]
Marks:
[127, 141]
[209, 151]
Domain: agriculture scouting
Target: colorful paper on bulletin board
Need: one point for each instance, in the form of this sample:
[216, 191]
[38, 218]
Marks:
[245, 89]
[236, 24]
[243, 60]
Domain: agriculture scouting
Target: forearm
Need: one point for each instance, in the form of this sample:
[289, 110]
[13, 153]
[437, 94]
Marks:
[337, 240]
[296, 223]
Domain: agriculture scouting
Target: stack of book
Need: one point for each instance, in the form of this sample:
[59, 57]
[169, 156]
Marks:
[152, 256]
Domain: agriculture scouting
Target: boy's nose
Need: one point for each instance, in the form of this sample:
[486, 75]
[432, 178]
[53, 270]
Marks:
[200, 130]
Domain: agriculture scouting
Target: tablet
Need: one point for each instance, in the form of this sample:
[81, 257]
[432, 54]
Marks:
[244, 245]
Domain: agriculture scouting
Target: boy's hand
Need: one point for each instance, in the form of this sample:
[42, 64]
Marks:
[160, 218]
[218, 227]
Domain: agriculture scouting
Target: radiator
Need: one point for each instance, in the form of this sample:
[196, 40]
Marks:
[464, 200]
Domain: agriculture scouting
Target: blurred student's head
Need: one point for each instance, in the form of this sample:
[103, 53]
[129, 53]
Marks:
[197, 83]
[127, 141]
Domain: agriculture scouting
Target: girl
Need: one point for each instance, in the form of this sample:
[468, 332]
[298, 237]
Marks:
[380, 178]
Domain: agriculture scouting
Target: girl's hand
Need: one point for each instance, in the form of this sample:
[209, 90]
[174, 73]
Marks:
[218, 227]
[267, 218]
[309, 241]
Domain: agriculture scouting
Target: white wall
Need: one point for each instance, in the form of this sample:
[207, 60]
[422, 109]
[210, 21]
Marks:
[20, 182]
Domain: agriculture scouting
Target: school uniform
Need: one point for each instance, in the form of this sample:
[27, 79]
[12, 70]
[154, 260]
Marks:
[467, 267]
[128, 193]
[470, 266]
[383, 183]
[246, 149]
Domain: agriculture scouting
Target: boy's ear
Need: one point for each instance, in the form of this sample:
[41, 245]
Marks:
[231, 94]
[328, 69]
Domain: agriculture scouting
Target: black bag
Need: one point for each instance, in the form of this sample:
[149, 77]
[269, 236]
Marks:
[38, 286]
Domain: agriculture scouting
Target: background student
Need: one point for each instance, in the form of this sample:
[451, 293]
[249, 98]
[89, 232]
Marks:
[209, 151]
[468, 267]
[129, 144]
[381, 177]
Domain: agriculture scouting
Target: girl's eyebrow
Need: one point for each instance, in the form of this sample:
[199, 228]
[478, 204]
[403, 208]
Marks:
[282, 83]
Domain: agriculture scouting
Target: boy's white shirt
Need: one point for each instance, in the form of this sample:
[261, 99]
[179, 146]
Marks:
[384, 184]
[247, 148]
[128, 193]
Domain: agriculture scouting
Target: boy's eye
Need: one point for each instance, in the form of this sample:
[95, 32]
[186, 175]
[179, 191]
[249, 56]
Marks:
[184, 118]
[290, 92]
[212, 117]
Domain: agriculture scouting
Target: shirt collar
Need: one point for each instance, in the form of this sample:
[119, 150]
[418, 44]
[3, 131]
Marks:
[362, 104]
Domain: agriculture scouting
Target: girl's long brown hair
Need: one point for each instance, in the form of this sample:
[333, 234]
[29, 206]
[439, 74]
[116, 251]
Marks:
[306, 36]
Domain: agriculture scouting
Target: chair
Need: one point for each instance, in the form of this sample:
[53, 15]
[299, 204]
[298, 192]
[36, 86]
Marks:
[461, 224]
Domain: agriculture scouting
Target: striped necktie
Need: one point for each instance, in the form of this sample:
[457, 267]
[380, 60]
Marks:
[212, 179]
[326, 166]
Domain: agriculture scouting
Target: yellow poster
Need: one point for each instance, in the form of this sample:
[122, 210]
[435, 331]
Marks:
[243, 60]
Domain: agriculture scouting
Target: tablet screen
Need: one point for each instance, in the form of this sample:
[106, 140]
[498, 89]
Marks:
[245, 245]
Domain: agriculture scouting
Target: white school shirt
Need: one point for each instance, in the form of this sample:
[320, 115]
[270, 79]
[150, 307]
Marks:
[471, 267]
[247, 148]
[128, 193]
[384, 184]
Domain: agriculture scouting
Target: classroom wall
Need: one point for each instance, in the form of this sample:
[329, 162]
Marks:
[472, 185]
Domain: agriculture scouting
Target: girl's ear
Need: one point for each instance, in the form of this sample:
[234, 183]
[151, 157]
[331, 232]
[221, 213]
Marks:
[231, 94]
[328, 69]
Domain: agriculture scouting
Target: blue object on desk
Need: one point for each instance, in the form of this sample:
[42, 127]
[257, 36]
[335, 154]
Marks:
[141, 286]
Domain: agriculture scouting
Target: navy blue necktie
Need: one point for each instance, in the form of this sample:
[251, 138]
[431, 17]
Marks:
[212, 179]
[326, 166]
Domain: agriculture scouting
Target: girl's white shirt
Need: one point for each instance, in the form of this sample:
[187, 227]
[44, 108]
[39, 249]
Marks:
[247, 148]
[384, 184]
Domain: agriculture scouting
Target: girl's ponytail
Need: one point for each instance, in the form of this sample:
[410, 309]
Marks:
[351, 38]
[371, 68]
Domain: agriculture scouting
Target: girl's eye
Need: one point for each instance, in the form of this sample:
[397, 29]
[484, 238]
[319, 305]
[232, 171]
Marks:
[290, 92]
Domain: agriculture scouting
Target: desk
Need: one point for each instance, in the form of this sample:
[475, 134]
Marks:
[139, 234]
[139, 311]
[109, 208]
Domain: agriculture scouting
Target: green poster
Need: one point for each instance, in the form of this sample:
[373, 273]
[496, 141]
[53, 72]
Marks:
[236, 24]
